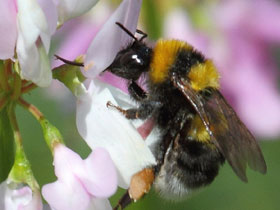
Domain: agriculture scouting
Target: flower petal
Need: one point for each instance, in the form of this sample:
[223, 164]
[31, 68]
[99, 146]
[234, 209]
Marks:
[68, 195]
[110, 39]
[100, 204]
[101, 127]
[66, 162]
[31, 21]
[82, 179]
[34, 63]
[8, 29]
[101, 180]
[50, 13]
[33, 57]
[72, 8]
[78, 34]
[67, 192]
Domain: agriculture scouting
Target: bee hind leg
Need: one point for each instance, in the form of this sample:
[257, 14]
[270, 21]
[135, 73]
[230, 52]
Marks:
[123, 202]
[140, 184]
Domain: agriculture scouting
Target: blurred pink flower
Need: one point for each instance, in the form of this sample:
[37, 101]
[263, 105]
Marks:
[13, 197]
[82, 184]
[239, 39]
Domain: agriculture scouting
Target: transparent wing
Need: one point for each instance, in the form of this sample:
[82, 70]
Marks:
[226, 130]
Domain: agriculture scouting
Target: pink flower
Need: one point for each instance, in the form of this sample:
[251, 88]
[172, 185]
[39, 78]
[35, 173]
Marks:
[81, 184]
[239, 36]
[26, 27]
[13, 197]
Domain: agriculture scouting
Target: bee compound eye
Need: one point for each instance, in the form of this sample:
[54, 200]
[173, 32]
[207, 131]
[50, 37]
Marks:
[131, 59]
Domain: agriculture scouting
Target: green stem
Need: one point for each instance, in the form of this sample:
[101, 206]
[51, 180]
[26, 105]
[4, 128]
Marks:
[32, 109]
[15, 128]
[51, 134]
[4, 77]
[16, 87]
[21, 171]
[28, 88]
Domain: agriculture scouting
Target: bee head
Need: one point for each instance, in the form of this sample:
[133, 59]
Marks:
[132, 61]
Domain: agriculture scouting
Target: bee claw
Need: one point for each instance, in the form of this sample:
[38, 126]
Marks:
[109, 104]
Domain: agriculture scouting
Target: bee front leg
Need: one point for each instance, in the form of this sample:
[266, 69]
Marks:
[140, 113]
[136, 92]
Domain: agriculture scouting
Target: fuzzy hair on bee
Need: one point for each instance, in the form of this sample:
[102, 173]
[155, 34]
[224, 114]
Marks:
[198, 129]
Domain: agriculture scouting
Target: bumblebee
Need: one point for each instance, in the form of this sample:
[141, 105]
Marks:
[199, 130]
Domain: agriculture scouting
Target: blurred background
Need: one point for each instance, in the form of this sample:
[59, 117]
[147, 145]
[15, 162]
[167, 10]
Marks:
[243, 39]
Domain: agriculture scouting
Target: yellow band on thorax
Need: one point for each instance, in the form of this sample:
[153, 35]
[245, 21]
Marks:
[164, 55]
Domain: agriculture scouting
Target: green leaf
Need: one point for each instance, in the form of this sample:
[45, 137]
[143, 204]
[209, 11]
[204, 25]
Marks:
[6, 145]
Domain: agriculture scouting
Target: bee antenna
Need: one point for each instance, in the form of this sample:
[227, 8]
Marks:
[144, 35]
[126, 30]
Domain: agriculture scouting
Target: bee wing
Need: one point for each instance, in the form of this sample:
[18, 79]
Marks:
[226, 130]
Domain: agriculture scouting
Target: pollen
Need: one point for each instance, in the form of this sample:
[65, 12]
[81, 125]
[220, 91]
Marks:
[164, 56]
[88, 66]
[204, 75]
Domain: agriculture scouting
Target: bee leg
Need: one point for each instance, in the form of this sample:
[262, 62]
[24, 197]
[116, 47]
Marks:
[140, 113]
[124, 201]
[136, 92]
[140, 184]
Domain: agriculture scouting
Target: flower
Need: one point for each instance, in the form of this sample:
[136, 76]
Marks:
[99, 126]
[14, 197]
[81, 184]
[27, 26]
[110, 39]
[238, 38]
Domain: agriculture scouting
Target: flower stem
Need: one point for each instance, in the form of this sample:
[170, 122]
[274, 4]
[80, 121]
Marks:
[28, 88]
[51, 133]
[21, 171]
[32, 109]
[16, 87]
[15, 128]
